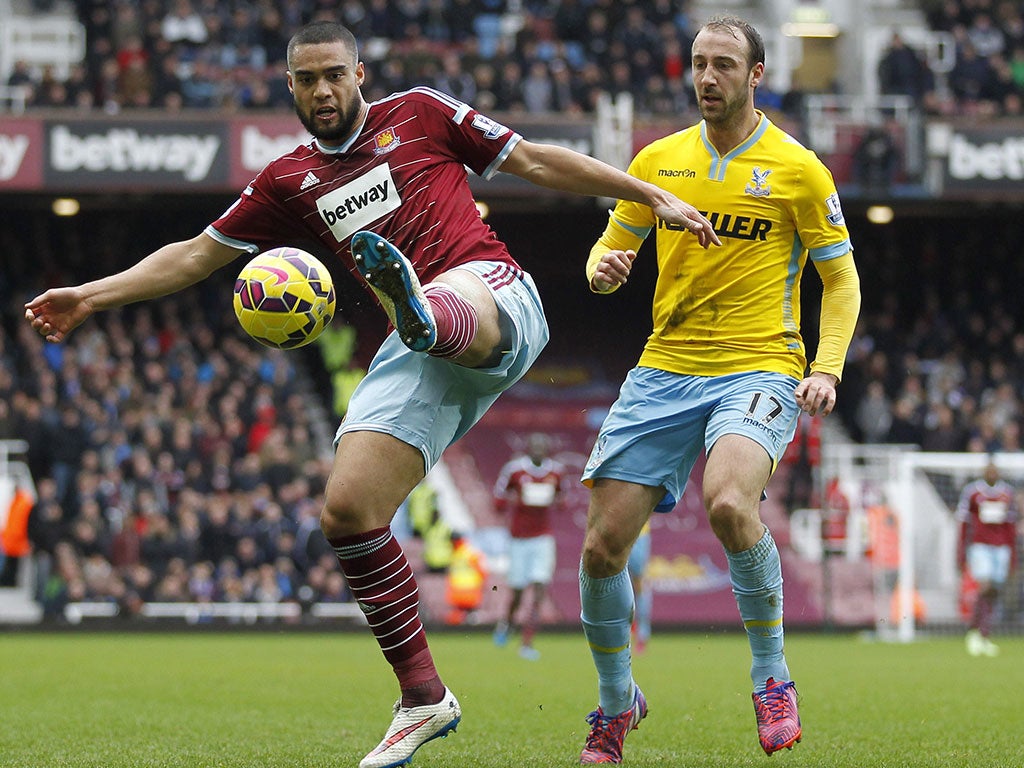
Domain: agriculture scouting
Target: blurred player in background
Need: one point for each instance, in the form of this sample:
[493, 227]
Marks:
[528, 490]
[987, 549]
[468, 320]
[643, 598]
[724, 371]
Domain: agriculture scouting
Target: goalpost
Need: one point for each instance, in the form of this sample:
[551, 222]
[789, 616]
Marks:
[901, 505]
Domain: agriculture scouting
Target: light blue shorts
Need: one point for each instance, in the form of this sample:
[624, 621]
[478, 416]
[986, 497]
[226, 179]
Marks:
[989, 562]
[661, 421]
[531, 561]
[429, 402]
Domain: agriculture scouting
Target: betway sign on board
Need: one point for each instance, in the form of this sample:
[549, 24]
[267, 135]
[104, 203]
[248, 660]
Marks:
[119, 154]
[979, 160]
[256, 140]
[21, 150]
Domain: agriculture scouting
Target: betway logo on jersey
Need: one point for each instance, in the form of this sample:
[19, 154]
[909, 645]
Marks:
[728, 225]
[127, 150]
[362, 201]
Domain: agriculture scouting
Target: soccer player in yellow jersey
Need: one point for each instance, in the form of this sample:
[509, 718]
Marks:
[723, 371]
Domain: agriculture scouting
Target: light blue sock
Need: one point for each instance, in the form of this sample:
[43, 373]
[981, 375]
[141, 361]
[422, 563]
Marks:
[607, 614]
[756, 576]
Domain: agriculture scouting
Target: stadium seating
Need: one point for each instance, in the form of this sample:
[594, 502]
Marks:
[175, 461]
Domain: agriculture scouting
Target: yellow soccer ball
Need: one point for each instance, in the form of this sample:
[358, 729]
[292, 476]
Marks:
[284, 298]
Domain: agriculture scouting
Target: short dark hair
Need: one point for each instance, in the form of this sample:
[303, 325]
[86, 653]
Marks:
[732, 24]
[323, 32]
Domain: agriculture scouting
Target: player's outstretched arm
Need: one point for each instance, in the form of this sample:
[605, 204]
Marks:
[560, 168]
[58, 311]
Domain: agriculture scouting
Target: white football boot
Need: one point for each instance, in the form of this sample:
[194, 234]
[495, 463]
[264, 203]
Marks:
[411, 728]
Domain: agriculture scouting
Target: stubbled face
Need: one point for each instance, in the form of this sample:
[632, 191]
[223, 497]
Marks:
[324, 79]
[722, 79]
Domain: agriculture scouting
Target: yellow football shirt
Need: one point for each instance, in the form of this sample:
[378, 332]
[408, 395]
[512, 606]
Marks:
[736, 307]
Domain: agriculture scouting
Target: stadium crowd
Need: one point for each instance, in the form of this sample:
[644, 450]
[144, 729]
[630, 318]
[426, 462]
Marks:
[530, 56]
[174, 459]
[938, 358]
[987, 74]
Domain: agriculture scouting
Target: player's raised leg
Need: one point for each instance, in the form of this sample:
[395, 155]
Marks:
[454, 317]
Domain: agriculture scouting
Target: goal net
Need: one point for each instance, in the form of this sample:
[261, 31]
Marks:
[898, 508]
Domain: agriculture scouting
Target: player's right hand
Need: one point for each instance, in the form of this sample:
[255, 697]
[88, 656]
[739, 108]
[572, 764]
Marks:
[612, 271]
[57, 312]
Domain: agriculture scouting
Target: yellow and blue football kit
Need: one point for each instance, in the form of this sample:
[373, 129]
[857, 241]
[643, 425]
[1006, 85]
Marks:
[726, 353]
[724, 357]
[737, 307]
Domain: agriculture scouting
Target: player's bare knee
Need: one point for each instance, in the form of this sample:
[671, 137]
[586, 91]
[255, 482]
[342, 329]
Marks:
[727, 516]
[602, 558]
[337, 519]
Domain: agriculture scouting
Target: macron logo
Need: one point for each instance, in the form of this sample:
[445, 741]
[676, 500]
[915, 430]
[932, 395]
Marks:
[309, 181]
[359, 203]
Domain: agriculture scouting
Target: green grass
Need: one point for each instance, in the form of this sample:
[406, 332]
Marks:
[318, 700]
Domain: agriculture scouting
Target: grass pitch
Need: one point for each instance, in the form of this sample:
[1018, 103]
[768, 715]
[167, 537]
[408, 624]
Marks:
[237, 700]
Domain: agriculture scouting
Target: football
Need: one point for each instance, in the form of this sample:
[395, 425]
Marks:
[284, 298]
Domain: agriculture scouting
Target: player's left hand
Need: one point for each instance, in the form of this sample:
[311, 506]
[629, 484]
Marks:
[816, 394]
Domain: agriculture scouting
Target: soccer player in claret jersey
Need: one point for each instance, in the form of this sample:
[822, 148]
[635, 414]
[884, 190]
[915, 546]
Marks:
[384, 187]
[723, 371]
[529, 489]
[987, 549]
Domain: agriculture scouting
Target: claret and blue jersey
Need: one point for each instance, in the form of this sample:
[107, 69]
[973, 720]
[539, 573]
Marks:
[402, 174]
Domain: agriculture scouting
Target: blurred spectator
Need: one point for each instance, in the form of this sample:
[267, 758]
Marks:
[902, 71]
[201, 90]
[453, 80]
[970, 76]
[905, 428]
[985, 36]
[14, 538]
[183, 24]
[876, 159]
[21, 77]
[1002, 92]
[538, 90]
[941, 431]
[874, 414]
